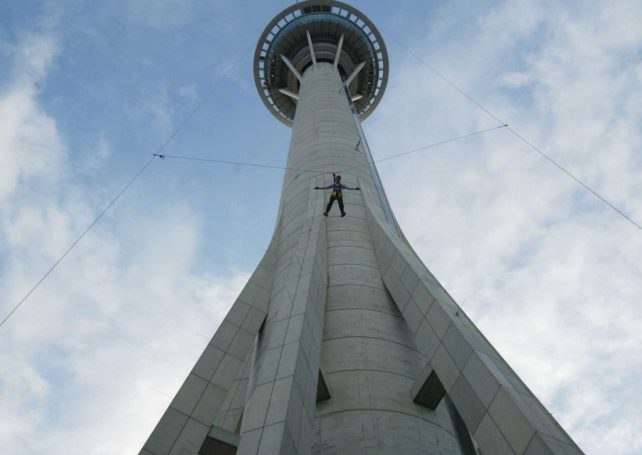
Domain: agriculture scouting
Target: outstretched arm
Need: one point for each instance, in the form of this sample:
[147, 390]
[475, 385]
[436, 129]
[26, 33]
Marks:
[349, 188]
[334, 177]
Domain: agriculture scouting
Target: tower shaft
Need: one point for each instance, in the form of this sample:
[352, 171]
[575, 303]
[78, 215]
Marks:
[342, 341]
[344, 321]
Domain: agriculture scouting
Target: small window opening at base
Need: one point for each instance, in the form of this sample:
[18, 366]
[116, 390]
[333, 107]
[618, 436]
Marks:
[323, 392]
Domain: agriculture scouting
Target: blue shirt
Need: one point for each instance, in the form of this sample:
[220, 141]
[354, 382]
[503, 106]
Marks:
[336, 187]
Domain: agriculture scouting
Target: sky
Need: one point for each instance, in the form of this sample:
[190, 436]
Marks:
[89, 90]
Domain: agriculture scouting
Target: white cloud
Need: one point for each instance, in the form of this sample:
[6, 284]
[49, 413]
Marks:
[188, 92]
[232, 69]
[549, 274]
[29, 141]
[95, 349]
[98, 155]
[158, 108]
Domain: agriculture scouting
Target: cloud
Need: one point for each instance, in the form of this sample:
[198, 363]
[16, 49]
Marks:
[188, 92]
[95, 351]
[549, 274]
[29, 142]
[158, 109]
[98, 155]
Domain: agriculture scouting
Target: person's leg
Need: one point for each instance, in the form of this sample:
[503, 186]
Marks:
[327, 209]
[340, 199]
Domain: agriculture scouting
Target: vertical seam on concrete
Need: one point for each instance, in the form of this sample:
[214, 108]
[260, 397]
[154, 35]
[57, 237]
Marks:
[473, 430]
[189, 416]
[302, 262]
[535, 433]
[208, 381]
[179, 433]
[277, 239]
[500, 431]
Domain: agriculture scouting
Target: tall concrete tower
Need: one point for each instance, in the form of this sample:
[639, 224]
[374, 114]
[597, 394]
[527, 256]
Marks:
[342, 341]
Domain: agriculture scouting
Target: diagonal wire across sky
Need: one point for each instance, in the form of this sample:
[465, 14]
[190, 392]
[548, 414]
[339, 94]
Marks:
[200, 104]
[519, 136]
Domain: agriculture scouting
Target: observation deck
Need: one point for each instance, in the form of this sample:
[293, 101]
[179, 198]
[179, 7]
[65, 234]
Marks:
[320, 31]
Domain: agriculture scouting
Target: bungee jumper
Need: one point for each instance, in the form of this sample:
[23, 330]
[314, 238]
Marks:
[337, 186]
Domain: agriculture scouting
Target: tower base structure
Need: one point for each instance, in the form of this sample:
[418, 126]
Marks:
[342, 341]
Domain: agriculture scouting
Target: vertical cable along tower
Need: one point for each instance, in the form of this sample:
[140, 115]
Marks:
[342, 341]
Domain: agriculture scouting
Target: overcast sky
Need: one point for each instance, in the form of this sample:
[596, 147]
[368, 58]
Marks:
[89, 90]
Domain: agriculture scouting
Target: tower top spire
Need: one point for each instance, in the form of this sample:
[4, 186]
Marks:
[316, 31]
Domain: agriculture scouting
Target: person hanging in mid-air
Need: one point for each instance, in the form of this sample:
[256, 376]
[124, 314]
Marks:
[336, 194]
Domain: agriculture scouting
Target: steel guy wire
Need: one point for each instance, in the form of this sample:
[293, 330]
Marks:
[109, 205]
[80, 237]
[520, 137]
[272, 166]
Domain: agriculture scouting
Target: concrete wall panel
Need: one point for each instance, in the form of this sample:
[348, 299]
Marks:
[498, 409]
[197, 404]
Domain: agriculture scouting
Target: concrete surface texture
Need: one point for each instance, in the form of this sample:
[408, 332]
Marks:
[342, 342]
